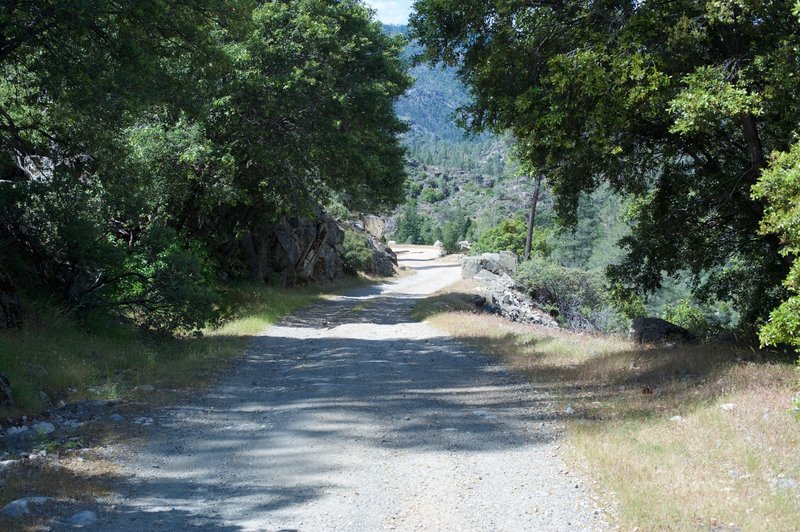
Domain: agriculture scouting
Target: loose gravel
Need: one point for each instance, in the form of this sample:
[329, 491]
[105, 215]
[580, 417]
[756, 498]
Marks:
[349, 415]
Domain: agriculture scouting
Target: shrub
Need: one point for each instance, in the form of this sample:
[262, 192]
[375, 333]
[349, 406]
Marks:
[356, 251]
[510, 235]
[577, 298]
[690, 317]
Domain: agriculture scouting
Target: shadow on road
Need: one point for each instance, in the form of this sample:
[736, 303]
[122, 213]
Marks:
[340, 375]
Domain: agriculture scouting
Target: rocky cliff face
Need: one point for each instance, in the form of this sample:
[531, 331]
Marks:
[300, 250]
[295, 250]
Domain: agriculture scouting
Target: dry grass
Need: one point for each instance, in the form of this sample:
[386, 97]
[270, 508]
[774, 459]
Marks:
[687, 437]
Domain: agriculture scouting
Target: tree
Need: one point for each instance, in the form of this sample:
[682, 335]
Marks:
[143, 143]
[780, 187]
[409, 226]
[532, 218]
[675, 104]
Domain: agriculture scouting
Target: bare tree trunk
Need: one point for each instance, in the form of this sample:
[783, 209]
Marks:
[532, 217]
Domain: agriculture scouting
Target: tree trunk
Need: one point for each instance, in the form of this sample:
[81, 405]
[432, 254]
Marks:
[754, 147]
[532, 217]
[10, 314]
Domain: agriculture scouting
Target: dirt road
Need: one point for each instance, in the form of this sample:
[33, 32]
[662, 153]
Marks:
[351, 416]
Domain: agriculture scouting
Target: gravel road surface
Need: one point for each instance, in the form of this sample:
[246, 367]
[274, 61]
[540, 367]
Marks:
[351, 416]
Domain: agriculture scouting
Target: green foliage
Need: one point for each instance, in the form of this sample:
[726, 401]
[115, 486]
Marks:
[510, 235]
[576, 297]
[779, 186]
[140, 141]
[409, 226]
[356, 252]
[671, 104]
[627, 302]
[690, 317]
[454, 231]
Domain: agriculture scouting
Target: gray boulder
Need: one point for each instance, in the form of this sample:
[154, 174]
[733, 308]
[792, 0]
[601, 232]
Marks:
[84, 518]
[503, 263]
[375, 226]
[384, 260]
[508, 261]
[294, 250]
[470, 267]
[21, 507]
[656, 330]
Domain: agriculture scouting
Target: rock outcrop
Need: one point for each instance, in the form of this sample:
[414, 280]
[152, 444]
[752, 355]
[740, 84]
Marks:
[500, 293]
[501, 263]
[384, 260]
[295, 250]
[656, 330]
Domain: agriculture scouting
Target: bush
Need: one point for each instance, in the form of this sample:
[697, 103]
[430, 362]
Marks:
[356, 251]
[690, 317]
[165, 286]
[510, 235]
[577, 298]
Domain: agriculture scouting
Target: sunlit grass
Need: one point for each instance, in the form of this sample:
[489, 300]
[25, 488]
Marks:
[696, 436]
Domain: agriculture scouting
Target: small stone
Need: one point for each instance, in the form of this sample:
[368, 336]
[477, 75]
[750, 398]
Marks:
[16, 508]
[7, 464]
[676, 419]
[787, 484]
[45, 399]
[727, 406]
[569, 410]
[20, 507]
[116, 418]
[84, 518]
[13, 431]
[145, 388]
[43, 427]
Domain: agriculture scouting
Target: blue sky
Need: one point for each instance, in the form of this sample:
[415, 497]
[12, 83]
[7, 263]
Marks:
[391, 11]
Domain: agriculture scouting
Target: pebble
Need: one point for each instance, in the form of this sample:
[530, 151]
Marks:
[145, 388]
[116, 418]
[84, 518]
[676, 418]
[13, 431]
[569, 410]
[43, 427]
[727, 406]
[143, 421]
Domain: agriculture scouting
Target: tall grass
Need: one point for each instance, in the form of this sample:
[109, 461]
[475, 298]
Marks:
[98, 357]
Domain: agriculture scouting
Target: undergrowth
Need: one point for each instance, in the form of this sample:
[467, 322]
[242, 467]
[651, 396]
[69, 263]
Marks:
[58, 357]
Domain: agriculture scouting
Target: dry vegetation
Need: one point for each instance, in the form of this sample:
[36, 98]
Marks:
[699, 436]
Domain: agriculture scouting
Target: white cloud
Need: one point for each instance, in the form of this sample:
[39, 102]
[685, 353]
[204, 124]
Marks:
[391, 11]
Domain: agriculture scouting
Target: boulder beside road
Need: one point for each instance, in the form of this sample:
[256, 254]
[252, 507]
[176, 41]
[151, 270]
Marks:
[500, 292]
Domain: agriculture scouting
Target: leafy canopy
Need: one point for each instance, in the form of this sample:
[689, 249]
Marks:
[672, 103]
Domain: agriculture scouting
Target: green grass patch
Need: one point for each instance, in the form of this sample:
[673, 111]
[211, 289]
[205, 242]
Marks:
[99, 357]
